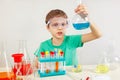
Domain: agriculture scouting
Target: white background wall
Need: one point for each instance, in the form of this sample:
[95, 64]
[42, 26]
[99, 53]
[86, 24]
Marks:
[24, 20]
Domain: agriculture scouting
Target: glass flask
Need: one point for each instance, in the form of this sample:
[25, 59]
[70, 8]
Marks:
[115, 62]
[76, 64]
[112, 49]
[104, 65]
[6, 72]
[22, 48]
[26, 58]
[80, 21]
[23, 59]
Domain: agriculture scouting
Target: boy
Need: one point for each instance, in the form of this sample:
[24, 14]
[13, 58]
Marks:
[56, 23]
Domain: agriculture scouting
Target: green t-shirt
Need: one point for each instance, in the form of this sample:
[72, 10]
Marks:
[68, 46]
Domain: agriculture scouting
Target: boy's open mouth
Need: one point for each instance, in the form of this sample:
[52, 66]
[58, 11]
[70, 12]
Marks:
[59, 33]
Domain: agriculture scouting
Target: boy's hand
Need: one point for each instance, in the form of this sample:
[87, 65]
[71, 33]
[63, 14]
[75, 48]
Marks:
[36, 62]
[81, 10]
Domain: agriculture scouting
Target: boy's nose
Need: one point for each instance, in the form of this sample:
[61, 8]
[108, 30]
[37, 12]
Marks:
[60, 27]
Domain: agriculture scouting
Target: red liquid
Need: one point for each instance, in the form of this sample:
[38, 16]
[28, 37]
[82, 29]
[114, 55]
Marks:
[7, 76]
[25, 69]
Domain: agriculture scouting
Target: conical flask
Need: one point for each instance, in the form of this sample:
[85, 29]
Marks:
[26, 63]
[32, 69]
[23, 59]
[80, 21]
[22, 48]
[104, 64]
[6, 72]
[76, 64]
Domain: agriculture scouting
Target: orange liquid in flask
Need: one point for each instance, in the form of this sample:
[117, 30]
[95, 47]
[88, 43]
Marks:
[7, 76]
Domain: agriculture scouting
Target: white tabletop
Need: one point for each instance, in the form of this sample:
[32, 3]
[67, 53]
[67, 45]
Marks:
[87, 71]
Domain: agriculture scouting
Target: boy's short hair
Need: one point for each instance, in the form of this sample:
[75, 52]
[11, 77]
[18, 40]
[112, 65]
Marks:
[55, 13]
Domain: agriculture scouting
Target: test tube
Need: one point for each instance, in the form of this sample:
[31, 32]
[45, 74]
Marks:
[47, 54]
[47, 67]
[56, 66]
[42, 55]
[51, 54]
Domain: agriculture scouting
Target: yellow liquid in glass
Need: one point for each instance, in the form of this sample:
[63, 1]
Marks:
[102, 68]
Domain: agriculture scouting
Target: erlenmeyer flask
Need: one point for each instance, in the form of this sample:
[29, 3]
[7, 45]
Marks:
[23, 59]
[76, 64]
[80, 21]
[32, 69]
[104, 64]
[26, 58]
[6, 72]
[23, 49]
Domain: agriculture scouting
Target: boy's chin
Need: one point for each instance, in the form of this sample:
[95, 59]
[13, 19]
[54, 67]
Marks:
[59, 37]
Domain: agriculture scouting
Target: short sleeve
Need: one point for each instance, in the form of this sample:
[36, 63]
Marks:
[38, 51]
[75, 41]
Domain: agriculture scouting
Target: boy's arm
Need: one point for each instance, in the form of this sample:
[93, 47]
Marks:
[94, 34]
[36, 62]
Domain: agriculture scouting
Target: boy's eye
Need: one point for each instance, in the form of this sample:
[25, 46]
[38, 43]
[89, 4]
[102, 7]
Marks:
[63, 24]
[55, 25]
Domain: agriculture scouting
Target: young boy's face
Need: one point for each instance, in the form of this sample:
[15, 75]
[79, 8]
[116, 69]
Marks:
[57, 27]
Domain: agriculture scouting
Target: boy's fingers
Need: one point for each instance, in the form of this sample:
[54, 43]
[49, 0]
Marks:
[81, 9]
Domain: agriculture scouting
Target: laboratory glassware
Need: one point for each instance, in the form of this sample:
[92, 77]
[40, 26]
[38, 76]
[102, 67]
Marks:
[6, 72]
[104, 65]
[24, 56]
[80, 21]
[17, 66]
[22, 49]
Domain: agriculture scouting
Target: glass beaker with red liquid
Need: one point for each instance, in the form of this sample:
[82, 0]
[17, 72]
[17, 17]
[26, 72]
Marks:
[6, 72]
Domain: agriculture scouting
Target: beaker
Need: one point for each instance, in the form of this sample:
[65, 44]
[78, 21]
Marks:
[80, 21]
[6, 72]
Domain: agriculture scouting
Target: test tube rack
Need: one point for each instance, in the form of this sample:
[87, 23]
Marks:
[52, 65]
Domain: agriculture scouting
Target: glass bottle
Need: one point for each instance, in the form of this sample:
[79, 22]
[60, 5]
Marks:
[6, 72]
[80, 21]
